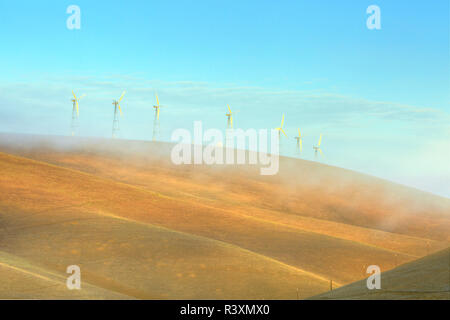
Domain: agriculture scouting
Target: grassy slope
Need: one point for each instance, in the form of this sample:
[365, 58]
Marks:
[331, 233]
[24, 280]
[426, 278]
[139, 260]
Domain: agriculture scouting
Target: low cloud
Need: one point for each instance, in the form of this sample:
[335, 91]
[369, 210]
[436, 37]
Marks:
[356, 130]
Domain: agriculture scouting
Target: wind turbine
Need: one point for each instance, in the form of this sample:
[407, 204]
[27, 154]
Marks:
[280, 129]
[116, 104]
[318, 147]
[75, 112]
[156, 120]
[230, 117]
[299, 140]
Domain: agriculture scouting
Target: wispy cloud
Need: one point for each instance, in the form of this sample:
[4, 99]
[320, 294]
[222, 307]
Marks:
[356, 130]
[190, 98]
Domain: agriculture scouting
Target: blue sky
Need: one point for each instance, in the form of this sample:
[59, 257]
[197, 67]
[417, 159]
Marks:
[380, 97]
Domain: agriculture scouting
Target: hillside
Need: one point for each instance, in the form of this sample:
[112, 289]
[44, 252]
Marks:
[141, 227]
[426, 278]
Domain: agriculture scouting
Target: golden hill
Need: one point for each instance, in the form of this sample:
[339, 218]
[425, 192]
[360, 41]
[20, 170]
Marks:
[426, 278]
[141, 227]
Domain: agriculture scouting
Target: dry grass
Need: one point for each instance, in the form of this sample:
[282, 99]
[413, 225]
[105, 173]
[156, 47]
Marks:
[425, 278]
[141, 227]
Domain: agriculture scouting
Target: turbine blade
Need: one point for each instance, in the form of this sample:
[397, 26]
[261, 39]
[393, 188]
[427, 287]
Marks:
[299, 132]
[231, 121]
[229, 109]
[78, 110]
[74, 95]
[320, 140]
[120, 109]
[282, 121]
[123, 93]
[283, 132]
[320, 150]
[301, 145]
[157, 99]
[157, 113]
[82, 96]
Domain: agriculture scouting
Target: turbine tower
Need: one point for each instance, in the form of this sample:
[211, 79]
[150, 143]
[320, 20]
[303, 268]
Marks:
[116, 103]
[299, 141]
[230, 117]
[280, 129]
[318, 147]
[156, 129]
[75, 112]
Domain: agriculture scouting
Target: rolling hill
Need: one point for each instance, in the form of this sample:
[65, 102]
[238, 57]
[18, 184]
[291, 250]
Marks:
[142, 227]
[425, 278]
